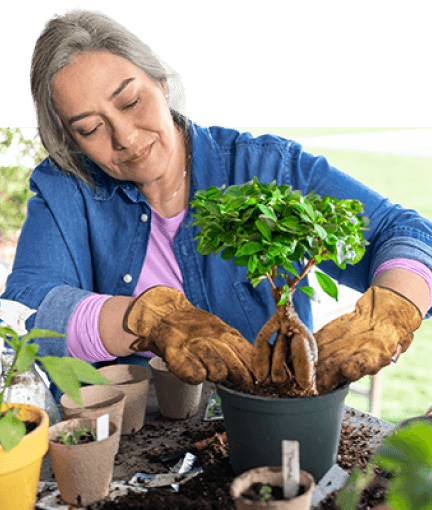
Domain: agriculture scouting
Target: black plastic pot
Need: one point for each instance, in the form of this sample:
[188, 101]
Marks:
[256, 426]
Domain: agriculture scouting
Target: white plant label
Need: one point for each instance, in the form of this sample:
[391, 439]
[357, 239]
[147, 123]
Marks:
[102, 427]
[290, 468]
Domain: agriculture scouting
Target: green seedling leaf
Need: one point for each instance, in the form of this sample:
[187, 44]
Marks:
[6, 334]
[12, 430]
[86, 373]
[63, 376]
[26, 357]
[41, 333]
[327, 284]
[265, 492]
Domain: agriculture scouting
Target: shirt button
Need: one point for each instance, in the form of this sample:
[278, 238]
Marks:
[127, 278]
[144, 218]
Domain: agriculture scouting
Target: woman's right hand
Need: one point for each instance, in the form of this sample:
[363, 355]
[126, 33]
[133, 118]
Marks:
[196, 345]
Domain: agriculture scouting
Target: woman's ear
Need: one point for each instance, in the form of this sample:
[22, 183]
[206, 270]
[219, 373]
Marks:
[164, 87]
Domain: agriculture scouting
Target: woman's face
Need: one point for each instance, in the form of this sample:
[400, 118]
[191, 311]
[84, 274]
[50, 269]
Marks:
[118, 117]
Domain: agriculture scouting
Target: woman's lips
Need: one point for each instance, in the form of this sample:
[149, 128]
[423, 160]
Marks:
[140, 157]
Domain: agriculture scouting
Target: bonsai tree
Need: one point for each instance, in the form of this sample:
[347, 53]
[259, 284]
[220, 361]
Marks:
[66, 372]
[267, 228]
[407, 455]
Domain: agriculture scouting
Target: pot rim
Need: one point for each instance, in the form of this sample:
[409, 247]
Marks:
[267, 399]
[43, 414]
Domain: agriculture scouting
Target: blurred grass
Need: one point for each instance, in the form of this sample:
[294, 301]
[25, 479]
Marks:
[406, 385]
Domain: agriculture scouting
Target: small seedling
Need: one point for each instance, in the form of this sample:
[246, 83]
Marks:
[76, 436]
[265, 492]
[66, 372]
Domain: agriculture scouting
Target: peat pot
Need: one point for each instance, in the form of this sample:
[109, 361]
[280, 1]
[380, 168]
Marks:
[177, 399]
[271, 476]
[20, 467]
[83, 472]
[256, 427]
[134, 382]
[97, 401]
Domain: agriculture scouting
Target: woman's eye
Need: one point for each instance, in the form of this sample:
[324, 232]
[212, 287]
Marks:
[88, 133]
[131, 105]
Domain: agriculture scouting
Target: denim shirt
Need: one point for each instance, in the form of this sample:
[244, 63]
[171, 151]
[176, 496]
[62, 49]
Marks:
[77, 241]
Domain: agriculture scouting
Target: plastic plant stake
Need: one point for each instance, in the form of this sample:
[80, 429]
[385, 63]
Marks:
[290, 468]
[102, 427]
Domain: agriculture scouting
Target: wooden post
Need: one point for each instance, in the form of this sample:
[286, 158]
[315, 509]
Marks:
[290, 468]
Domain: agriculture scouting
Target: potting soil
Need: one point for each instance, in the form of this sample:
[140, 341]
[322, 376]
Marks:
[210, 488]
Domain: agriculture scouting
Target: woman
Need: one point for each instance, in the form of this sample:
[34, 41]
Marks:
[110, 216]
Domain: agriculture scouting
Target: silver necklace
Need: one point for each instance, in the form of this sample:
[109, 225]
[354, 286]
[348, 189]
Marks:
[188, 152]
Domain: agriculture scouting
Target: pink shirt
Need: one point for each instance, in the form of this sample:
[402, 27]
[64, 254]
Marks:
[160, 268]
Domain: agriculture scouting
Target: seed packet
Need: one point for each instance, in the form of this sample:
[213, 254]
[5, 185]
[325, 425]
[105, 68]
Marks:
[214, 408]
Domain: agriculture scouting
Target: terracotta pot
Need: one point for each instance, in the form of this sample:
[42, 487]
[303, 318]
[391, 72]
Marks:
[97, 401]
[134, 382]
[271, 476]
[83, 472]
[20, 467]
[177, 399]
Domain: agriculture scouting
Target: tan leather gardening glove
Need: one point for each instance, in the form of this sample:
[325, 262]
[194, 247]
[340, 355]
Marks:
[196, 345]
[362, 342]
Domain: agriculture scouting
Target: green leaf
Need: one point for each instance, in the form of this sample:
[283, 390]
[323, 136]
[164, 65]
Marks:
[327, 284]
[251, 248]
[63, 376]
[241, 261]
[26, 357]
[12, 430]
[41, 333]
[5, 333]
[322, 234]
[265, 231]
[291, 222]
[267, 212]
[228, 253]
[310, 291]
[285, 295]
[234, 191]
[85, 372]
[289, 267]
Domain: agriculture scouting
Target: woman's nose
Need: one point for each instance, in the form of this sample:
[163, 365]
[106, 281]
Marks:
[124, 135]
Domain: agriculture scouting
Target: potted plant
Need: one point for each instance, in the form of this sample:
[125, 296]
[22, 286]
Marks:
[263, 488]
[407, 455]
[82, 463]
[21, 448]
[268, 228]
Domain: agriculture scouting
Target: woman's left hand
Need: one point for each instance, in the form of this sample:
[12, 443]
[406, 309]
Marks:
[364, 341]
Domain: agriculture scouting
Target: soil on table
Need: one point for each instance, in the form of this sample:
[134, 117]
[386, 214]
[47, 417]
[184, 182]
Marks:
[210, 489]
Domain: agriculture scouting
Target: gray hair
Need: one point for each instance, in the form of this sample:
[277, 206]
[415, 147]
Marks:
[78, 32]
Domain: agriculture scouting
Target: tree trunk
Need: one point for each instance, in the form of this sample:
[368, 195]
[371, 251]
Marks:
[294, 353]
